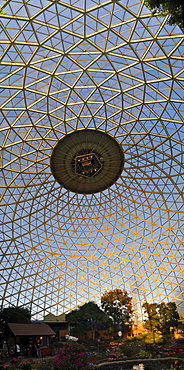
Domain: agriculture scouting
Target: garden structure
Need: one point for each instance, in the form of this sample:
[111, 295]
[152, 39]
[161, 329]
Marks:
[27, 335]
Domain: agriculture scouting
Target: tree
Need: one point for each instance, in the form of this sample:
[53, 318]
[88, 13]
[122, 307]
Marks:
[168, 316]
[85, 317]
[15, 314]
[152, 323]
[161, 316]
[168, 7]
[76, 322]
[118, 306]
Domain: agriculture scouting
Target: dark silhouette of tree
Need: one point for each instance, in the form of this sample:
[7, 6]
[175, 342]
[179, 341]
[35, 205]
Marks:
[118, 306]
[76, 322]
[173, 8]
[152, 323]
[161, 316]
[168, 316]
[86, 317]
[15, 314]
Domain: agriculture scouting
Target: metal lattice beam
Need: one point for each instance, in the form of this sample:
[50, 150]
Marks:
[105, 65]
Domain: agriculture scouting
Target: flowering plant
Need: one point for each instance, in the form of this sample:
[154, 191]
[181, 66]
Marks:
[4, 366]
[93, 366]
[25, 365]
[143, 354]
[71, 357]
[14, 360]
[111, 358]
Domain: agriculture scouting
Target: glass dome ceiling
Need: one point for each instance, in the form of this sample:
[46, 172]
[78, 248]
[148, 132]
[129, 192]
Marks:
[107, 66]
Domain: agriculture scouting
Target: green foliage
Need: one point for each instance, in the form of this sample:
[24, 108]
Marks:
[128, 351]
[15, 314]
[76, 322]
[167, 7]
[71, 357]
[161, 316]
[146, 338]
[152, 323]
[118, 306]
[43, 365]
[168, 316]
[13, 367]
[144, 354]
[16, 365]
[85, 318]
[25, 365]
[164, 339]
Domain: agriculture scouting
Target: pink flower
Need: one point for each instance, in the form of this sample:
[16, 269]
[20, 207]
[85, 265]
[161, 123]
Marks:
[14, 360]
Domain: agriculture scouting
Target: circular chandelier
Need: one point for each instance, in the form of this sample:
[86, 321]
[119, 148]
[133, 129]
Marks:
[85, 88]
[87, 161]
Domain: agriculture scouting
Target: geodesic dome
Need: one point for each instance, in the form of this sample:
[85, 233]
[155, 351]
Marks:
[107, 66]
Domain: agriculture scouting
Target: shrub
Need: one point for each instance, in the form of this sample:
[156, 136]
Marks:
[144, 354]
[44, 365]
[71, 357]
[25, 366]
[13, 367]
[14, 361]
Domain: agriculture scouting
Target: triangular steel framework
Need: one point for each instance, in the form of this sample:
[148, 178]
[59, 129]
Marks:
[106, 65]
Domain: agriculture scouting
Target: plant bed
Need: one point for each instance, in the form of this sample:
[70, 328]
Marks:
[149, 364]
